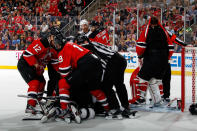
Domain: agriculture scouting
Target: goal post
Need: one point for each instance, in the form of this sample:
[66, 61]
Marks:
[188, 77]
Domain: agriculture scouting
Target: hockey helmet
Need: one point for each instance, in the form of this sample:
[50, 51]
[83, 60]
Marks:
[59, 39]
[81, 39]
[94, 23]
[83, 22]
[193, 109]
[70, 38]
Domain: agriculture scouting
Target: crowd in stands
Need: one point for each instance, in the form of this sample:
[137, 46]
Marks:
[126, 21]
[22, 21]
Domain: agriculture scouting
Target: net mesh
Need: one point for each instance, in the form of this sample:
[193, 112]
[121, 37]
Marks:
[189, 81]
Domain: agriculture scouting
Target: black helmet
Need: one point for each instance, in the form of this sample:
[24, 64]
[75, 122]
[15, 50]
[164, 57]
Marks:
[59, 40]
[94, 23]
[81, 39]
[54, 31]
[193, 109]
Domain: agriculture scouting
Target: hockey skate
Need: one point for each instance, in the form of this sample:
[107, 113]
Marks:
[127, 113]
[115, 114]
[166, 106]
[69, 115]
[49, 115]
[32, 114]
[75, 114]
[41, 109]
[63, 115]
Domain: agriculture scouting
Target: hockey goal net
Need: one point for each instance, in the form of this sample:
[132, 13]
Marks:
[188, 77]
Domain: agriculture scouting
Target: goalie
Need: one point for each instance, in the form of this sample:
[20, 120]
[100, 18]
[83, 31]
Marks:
[154, 49]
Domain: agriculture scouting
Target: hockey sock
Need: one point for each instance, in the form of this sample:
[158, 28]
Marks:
[32, 91]
[41, 89]
[64, 93]
[101, 98]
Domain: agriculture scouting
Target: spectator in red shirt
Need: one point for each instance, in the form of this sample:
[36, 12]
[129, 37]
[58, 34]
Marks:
[29, 38]
[20, 31]
[18, 18]
[2, 22]
[53, 10]
[2, 46]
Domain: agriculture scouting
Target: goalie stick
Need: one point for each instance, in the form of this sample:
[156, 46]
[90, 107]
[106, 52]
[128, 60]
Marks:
[170, 106]
[171, 101]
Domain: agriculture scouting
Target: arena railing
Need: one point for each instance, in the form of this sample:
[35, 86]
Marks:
[71, 28]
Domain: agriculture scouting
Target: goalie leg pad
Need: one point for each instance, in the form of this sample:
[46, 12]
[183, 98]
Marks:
[139, 88]
[154, 90]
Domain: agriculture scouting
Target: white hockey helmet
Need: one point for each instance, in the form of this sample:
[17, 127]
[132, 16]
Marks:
[84, 22]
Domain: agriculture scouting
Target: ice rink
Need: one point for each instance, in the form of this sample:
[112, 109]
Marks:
[12, 110]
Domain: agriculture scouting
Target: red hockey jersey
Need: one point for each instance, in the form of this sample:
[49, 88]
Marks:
[100, 36]
[37, 53]
[141, 42]
[69, 56]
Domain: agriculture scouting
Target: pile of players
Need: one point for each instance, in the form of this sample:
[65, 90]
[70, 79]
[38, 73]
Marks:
[82, 70]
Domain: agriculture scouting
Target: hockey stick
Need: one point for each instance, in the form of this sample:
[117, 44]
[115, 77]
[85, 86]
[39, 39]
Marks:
[170, 102]
[41, 97]
[51, 98]
[25, 96]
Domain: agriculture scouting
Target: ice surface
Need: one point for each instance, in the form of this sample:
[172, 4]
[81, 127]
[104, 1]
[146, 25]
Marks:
[12, 109]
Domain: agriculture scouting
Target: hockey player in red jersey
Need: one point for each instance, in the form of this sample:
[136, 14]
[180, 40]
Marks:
[99, 34]
[31, 66]
[94, 32]
[77, 67]
[154, 48]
